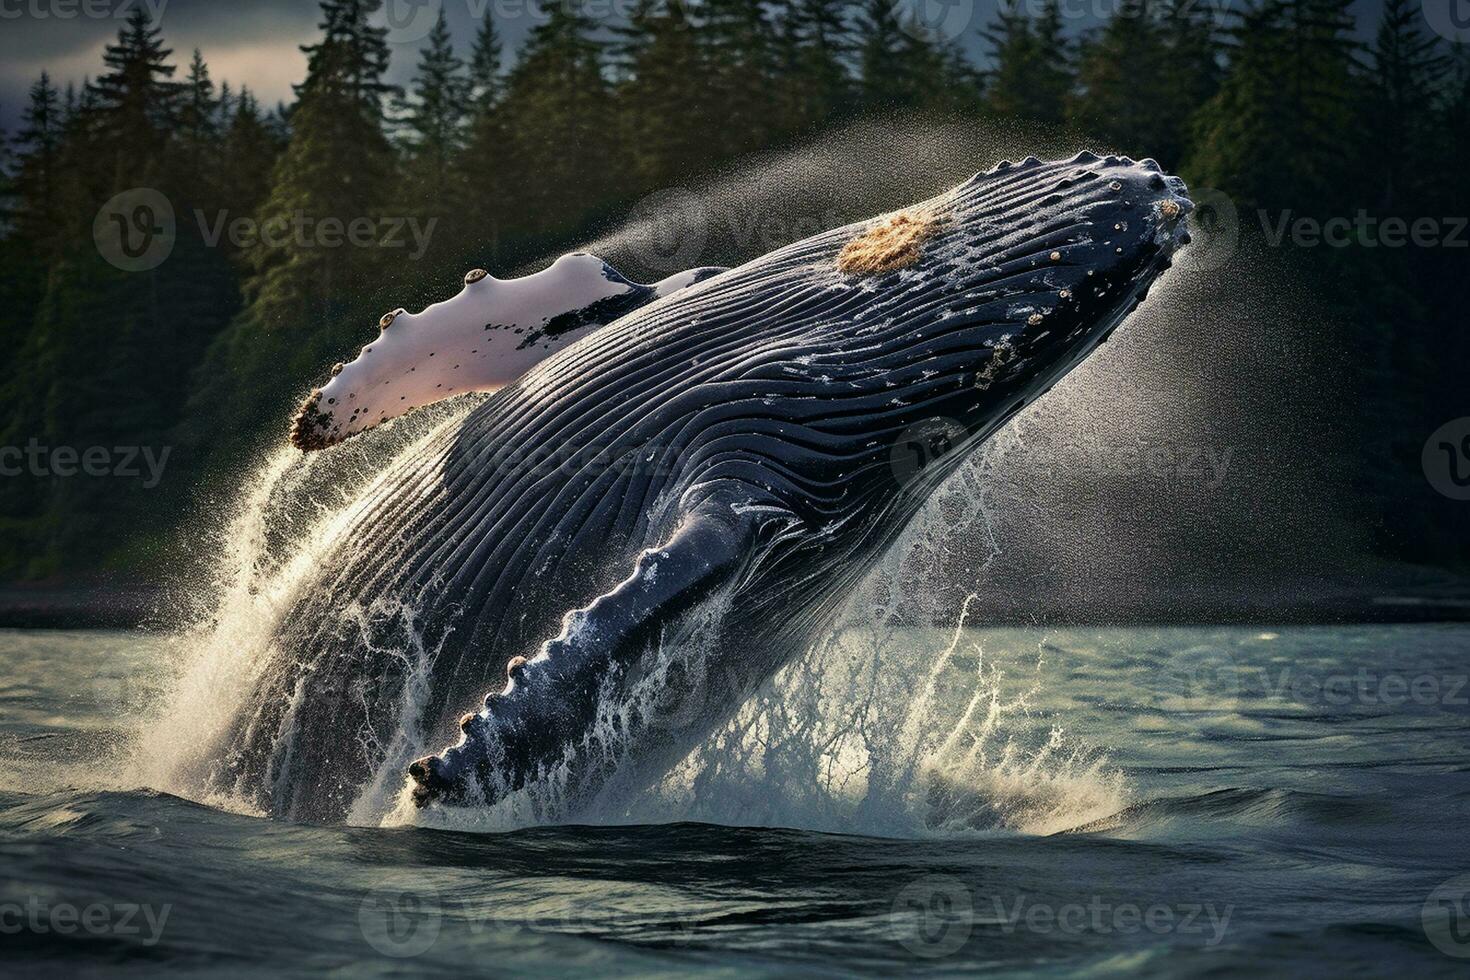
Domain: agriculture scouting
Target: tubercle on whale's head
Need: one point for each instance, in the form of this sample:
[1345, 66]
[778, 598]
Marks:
[1017, 275]
[1101, 197]
[1076, 243]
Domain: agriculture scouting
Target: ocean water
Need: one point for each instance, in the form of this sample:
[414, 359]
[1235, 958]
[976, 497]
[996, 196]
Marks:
[1169, 801]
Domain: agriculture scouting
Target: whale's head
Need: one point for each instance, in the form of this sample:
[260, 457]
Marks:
[982, 297]
[1033, 246]
[488, 335]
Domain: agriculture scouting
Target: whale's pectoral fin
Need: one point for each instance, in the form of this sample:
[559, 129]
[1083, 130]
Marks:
[549, 701]
[491, 333]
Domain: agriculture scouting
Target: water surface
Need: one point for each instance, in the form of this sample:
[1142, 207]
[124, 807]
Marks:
[1244, 799]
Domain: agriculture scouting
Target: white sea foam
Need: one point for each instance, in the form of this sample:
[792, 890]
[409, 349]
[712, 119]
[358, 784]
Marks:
[266, 545]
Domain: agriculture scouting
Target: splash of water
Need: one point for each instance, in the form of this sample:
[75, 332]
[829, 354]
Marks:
[844, 739]
[289, 513]
[839, 740]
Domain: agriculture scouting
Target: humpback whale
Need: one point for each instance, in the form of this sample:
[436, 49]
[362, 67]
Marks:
[723, 452]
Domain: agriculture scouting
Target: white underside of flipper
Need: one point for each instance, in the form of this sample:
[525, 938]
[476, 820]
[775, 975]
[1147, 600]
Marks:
[481, 340]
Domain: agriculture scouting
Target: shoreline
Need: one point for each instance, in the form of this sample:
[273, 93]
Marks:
[137, 606]
[80, 607]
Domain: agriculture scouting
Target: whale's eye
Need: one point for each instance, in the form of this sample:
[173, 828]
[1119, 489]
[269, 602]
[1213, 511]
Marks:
[474, 276]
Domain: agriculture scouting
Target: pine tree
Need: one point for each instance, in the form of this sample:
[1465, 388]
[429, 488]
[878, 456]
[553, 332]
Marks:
[6, 152]
[435, 125]
[338, 165]
[740, 95]
[1189, 76]
[480, 170]
[37, 176]
[1053, 73]
[1406, 69]
[1452, 148]
[901, 66]
[134, 103]
[1032, 75]
[224, 106]
[556, 119]
[660, 53]
[251, 148]
[817, 38]
[1272, 135]
[486, 85]
[947, 79]
[198, 130]
[1125, 57]
[1162, 48]
[881, 70]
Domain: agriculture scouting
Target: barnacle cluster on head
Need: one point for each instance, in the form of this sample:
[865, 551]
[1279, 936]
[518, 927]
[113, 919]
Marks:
[893, 243]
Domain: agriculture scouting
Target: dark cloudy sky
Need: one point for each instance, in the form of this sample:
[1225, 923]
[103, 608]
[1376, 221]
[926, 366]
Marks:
[256, 42]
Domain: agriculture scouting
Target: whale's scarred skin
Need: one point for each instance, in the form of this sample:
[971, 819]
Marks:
[735, 439]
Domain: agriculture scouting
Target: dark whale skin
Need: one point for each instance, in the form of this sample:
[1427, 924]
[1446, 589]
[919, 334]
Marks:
[736, 438]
